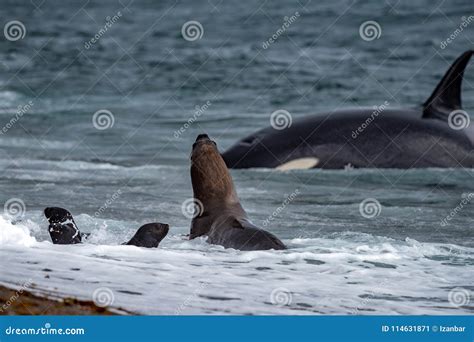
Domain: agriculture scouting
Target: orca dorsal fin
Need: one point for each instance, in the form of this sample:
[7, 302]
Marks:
[447, 95]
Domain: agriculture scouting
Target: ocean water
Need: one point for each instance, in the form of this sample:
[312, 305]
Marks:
[404, 257]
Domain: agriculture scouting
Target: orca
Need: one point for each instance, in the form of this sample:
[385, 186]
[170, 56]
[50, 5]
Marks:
[437, 134]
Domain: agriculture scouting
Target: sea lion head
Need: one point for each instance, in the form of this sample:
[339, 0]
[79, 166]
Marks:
[209, 174]
[149, 235]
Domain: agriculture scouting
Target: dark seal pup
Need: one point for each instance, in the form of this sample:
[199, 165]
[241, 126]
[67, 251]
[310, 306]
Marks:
[63, 230]
[435, 134]
[222, 218]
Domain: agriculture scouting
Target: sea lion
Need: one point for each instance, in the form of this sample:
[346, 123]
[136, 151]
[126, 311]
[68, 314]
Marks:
[222, 218]
[63, 230]
[437, 133]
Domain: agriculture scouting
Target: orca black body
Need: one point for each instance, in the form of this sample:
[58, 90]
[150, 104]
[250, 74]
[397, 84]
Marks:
[437, 134]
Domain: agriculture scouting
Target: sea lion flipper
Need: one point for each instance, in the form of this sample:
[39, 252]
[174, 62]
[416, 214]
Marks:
[200, 226]
[247, 239]
[149, 235]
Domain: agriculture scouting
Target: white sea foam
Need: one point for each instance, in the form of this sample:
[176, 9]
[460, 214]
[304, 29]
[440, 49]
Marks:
[15, 234]
[322, 275]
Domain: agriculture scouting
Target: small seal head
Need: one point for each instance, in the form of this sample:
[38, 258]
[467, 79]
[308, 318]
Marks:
[149, 235]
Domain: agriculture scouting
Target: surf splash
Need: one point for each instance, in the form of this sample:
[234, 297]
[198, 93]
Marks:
[15, 234]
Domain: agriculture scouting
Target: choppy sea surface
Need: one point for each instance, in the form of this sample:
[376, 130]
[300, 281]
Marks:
[406, 259]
